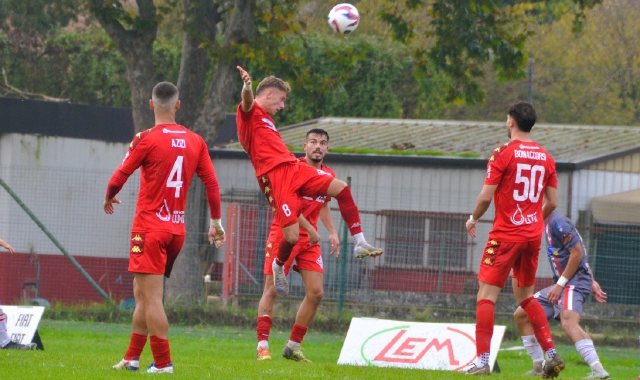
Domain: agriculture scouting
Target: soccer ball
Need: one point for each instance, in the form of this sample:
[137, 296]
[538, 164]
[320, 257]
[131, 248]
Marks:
[344, 18]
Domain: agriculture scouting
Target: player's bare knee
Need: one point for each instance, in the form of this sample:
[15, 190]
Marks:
[519, 316]
[315, 295]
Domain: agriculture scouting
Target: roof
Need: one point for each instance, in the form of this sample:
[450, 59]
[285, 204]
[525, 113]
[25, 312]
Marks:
[568, 143]
[619, 208]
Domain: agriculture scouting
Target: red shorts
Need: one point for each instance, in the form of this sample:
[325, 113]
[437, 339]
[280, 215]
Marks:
[286, 183]
[499, 258]
[307, 257]
[154, 252]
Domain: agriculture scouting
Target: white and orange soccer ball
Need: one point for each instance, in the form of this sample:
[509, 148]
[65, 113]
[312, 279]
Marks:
[344, 18]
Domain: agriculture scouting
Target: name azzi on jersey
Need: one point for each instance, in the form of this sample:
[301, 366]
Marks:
[178, 143]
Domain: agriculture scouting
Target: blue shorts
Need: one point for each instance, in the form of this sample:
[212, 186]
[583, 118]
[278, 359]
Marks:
[570, 299]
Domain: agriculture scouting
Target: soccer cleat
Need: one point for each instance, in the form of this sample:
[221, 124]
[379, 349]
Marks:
[279, 279]
[477, 371]
[130, 365]
[533, 372]
[263, 354]
[153, 369]
[598, 375]
[553, 367]
[17, 346]
[363, 249]
[297, 355]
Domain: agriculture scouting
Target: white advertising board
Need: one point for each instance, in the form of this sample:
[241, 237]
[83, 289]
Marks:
[435, 346]
[22, 322]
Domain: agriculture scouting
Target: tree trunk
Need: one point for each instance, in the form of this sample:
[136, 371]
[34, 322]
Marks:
[202, 18]
[135, 44]
[239, 29]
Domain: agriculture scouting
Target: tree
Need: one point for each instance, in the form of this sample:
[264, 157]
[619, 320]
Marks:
[467, 34]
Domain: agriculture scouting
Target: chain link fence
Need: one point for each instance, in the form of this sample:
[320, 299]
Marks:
[425, 251]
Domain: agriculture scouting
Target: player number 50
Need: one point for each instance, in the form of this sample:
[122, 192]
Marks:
[531, 177]
[175, 177]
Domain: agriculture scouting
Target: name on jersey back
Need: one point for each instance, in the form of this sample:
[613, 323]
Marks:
[530, 155]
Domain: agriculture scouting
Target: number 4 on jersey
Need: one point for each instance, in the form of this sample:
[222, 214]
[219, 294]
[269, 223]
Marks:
[175, 177]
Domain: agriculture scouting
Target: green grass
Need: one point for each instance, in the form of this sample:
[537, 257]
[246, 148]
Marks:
[80, 350]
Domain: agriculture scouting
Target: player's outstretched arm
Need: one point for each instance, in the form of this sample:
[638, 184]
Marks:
[550, 201]
[7, 246]
[247, 92]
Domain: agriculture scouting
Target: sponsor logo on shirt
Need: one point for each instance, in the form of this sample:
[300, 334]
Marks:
[178, 143]
[164, 213]
[165, 130]
[489, 171]
[319, 199]
[530, 155]
[178, 217]
[125, 158]
[518, 218]
[269, 123]
[322, 172]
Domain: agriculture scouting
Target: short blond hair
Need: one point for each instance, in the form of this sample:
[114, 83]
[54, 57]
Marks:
[273, 82]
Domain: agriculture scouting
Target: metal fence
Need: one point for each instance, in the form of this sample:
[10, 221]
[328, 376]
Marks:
[426, 252]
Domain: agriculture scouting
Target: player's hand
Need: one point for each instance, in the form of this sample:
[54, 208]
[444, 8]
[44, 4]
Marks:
[216, 233]
[471, 228]
[207, 278]
[554, 294]
[108, 204]
[597, 292]
[8, 247]
[314, 237]
[217, 236]
[246, 78]
[335, 244]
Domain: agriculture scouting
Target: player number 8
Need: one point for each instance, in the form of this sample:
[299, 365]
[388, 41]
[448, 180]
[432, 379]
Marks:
[286, 209]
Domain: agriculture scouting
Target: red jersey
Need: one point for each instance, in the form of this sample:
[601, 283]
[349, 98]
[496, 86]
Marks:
[260, 139]
[522, 171]
[168, 155]
[310, 207]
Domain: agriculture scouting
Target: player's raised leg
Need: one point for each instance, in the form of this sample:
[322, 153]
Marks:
[342, 193]
[313, 283]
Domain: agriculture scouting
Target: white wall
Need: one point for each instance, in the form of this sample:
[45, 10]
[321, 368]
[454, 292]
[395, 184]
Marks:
[63, 182]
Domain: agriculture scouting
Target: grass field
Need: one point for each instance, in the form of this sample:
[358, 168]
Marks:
[79, 350]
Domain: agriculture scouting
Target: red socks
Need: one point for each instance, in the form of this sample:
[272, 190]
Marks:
[484, 326]
[349, 211]
[297, 333]
[161, 352]
[264, 327]
[136, 345]
[538, 320]
[284, 252]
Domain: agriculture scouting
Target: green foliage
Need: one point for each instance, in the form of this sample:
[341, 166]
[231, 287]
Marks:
[356, 76]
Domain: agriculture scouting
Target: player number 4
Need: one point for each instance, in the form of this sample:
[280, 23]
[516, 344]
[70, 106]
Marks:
[175, 177]
[531, 177]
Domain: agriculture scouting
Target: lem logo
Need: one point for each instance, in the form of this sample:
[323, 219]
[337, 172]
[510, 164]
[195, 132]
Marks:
[401, 345]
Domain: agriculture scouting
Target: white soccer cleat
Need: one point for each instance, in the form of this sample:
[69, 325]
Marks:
[279, 279]
[153, 369]
[364, 249]
[129, 365]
